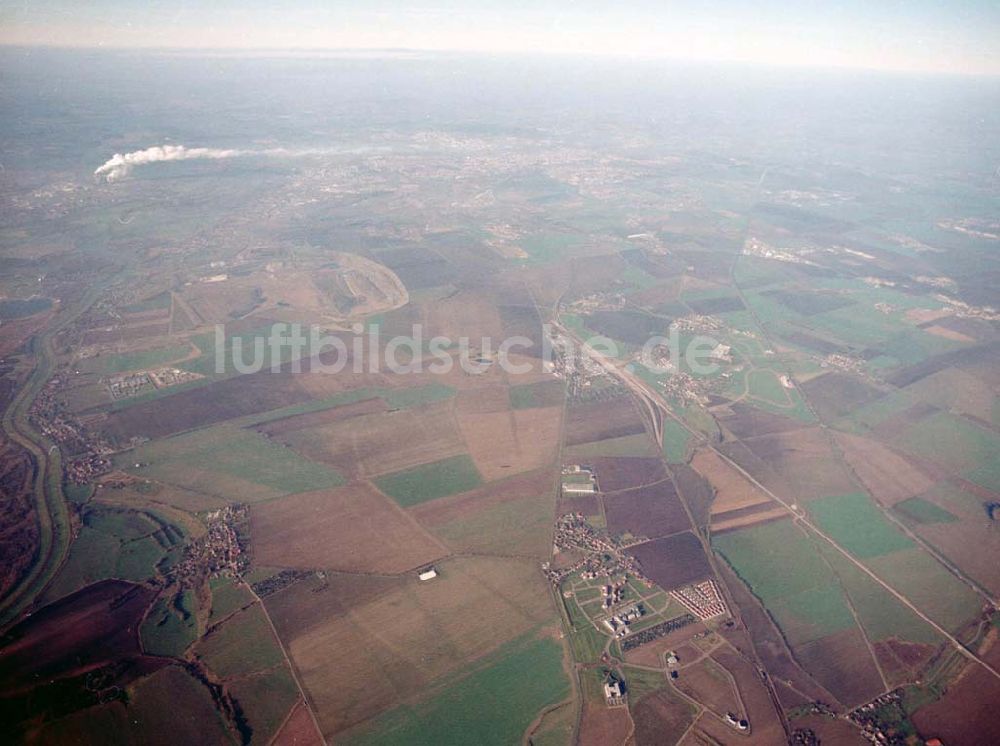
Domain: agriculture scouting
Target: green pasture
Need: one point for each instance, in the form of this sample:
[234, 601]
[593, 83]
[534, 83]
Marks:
[781, 566]
[919, 511]
[431, 481]
[492, 704]
[171, 626]
[230, 462]
[858, 526]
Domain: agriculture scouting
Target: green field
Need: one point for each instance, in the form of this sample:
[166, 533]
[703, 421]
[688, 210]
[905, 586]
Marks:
[675, 441]
[227, 597]
[431, 481]
[170, 626]
[113, 543]
[627, 445]
[143, 360]
[881, 614]
[951, 441]
[493, 704]
[783, 569]
[516, 526]
[765, 386]
[266, 700]
[931, 588]
[539, 394]
[857, 525]
[228, 461]
[243, 644]
[917, 510]
[585, 641]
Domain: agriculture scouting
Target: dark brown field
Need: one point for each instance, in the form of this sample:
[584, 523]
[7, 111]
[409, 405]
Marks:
[660, 718]
[674, 561]
[198, 407]
[696, 491]
[707, 682]
[86, 629]
[651, 511]
[966, 714]
[843, 665]
[746, 421]
[623, 472]
[836, 394]
[593, 421]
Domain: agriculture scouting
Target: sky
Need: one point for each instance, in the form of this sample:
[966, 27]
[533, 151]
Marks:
[951, 36]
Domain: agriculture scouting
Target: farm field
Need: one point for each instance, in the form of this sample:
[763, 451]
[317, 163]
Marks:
[378, 443]
[780, 565]
[492, 705]
[855, 523]
[353, 528]
[427, 632]
[224, 461]
[673, 561]
[431, 481]
[508, 516]
[651, 511]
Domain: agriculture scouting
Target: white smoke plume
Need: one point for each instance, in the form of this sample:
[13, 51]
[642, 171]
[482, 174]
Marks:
[119, 166]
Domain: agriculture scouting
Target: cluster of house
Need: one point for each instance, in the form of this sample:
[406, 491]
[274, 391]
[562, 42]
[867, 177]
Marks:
[90, 452]
[701, 599]
[221, 551]
[618, 624]
[603, 556]
[872, 720]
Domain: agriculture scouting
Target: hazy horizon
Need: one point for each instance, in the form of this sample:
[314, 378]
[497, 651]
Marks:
[914, 37]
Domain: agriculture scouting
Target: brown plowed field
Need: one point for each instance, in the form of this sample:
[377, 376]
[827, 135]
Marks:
[746, 422]
[836, 394]
[80, 632]
[401, 642]
[615, 473]
[764, 722]
[696, 492]
[842, 663]
[708, 683]
[298, 730]
[382, 443]
[888, 476]
[660, 718]
[198, 407]
[806, 460]
[831, 731]
[314, 600]
[674, 561]
[594, 421]
[502, 441]
[601, 725]
[651, 511]
[732, 490]
[966, 714]
[353, 529]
